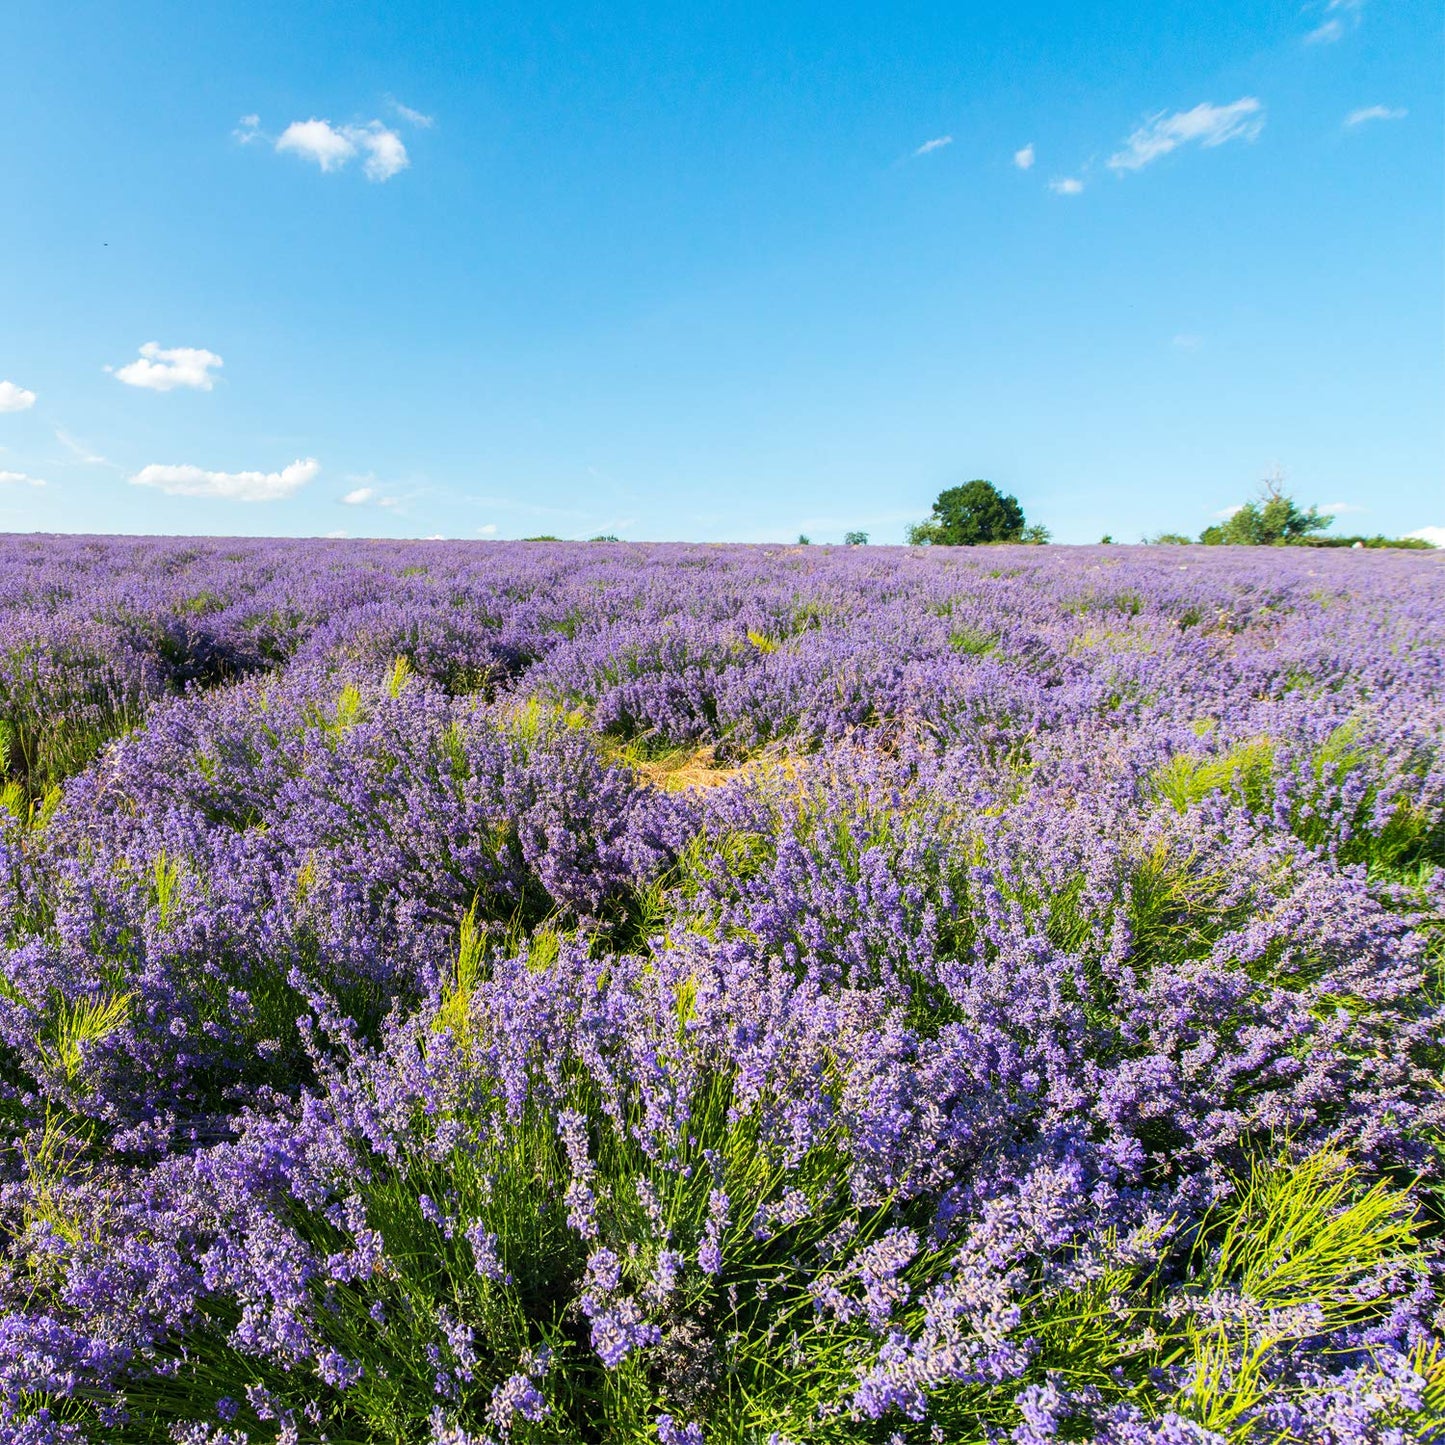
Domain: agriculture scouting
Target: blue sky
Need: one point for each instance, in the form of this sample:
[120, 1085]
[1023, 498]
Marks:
[732, 272]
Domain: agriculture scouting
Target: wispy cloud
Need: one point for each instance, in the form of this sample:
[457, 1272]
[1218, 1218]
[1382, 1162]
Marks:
[487, 529]
[1434, 535]
[15, 398]
[936, 144]
[166, 369]
[248, 128]
[333, 147]
[1024, 158]
[1368, 113]
[1187, 341]
[1207, 125]
[1339, 509]
[412, 117]
[1340, 16]
[79, 450]
[188, 481]
[1067, 186]
[21, 479]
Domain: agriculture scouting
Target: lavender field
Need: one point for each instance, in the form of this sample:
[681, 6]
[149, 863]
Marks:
[720, 995]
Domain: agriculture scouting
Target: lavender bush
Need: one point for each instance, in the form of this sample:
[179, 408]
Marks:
[753, 996]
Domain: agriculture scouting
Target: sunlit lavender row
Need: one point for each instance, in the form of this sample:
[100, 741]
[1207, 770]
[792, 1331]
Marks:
[720, 996]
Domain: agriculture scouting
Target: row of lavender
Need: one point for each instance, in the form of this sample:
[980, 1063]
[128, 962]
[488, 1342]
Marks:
[1036, 1035]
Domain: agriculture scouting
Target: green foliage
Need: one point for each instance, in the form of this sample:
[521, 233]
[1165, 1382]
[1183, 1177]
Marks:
[971, 514]
[1378, 540]
[972, 641]
[1244, 771]
[1270, 520]
[855, 539]
[1170, 539]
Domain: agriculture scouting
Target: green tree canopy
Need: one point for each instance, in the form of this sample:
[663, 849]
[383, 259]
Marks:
[1271, 520]
[969, 514]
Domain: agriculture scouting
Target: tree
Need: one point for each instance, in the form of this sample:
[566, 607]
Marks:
[967, 515]
[1271, 520]
[855, 539]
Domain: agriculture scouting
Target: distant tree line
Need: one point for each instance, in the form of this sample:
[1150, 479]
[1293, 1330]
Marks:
[1275, 519]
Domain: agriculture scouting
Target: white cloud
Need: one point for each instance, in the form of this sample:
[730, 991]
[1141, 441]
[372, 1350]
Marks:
[160, 368]
[79, 450]
[332, 147]
[20, 479]
[936, 144]
[186, 481]
[336, 536]
[412, 117]
[1338, 509]
[1187, 341]
[366, 496]
[248, 128]
[1226, 513]
[1209, 125]
[1067, 186]
[385, 154]
[1434, 535]
[488, 529]
[1024, 158]
[1340, 15]
[15, 398]
[1375, 112]
[318, 141]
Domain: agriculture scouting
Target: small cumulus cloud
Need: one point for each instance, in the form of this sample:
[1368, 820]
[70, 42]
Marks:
[1340, 16]
[1227, 512]
[368, 496]
[21, 479]
[159, 368]
[332, 147]
[247, 129]
[1368, 113]
[1435, 536]
[188, 481]
[487, 529]
[1067, 186]
[15, 398]
[1339, 509]
[1024, 158]
[1207, 125]
[936, 144]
